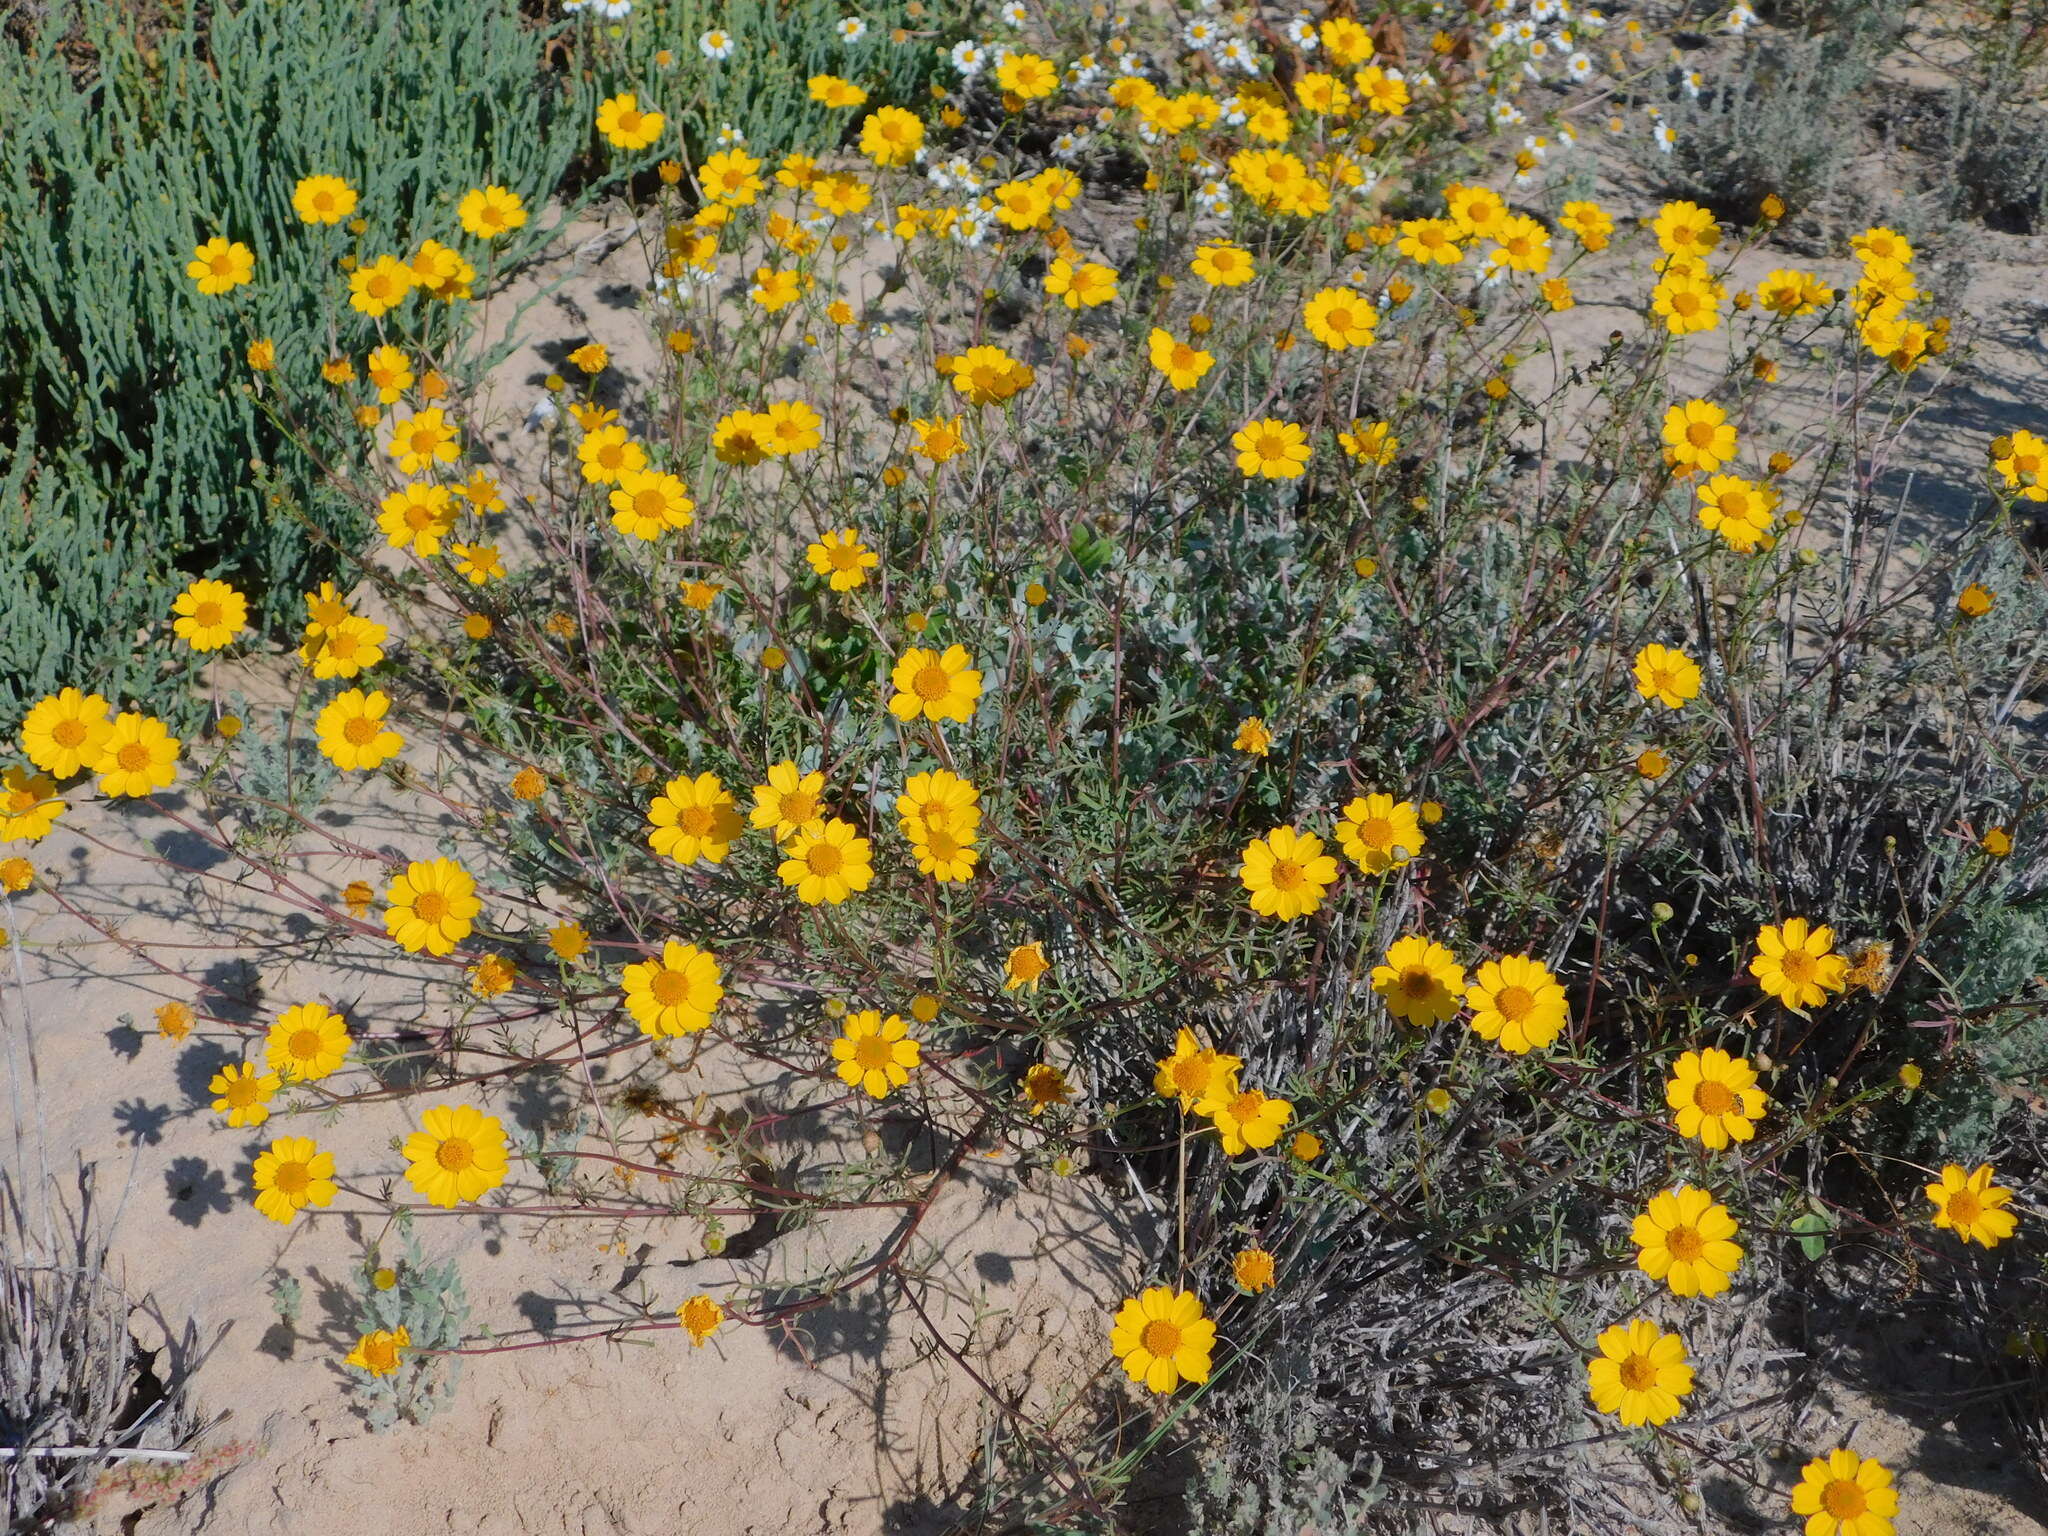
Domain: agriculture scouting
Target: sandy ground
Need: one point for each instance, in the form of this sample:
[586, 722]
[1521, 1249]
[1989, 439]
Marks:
[851, 1420]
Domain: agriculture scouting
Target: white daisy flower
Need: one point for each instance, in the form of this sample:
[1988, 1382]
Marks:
[727, 134]
[1693, 84]
[1235, 53]
[1068, 145]
[1506, 113]
[1302, 33]
[852, 29]
[1200, 33]
[1579, 67]
[715, 44]
[1741, 19]
[970, 58]
[1667, 138]
[1014, 13]
[1086, 70]
[1594, 21]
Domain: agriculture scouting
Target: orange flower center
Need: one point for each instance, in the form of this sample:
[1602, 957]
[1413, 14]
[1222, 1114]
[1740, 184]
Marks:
[1685, 1244]
[1797, 965]
[1287, 875]
[1160, 1338]
[455, 1154]
[872, 1053]
[1514, 1003]
[669, 988]
[942, 845]
[20, 802]
[207, 615]
[1417, 983]
[1844, 1499]
[1376, 832]
[68, 733]
[1699, 433]
[824, 859]
[1964, 1208]
[799, 806]
[242, 1092]
[361, 731]
[931, 683]
[697, 820]
[1638, 1373]
[1339, 319]
[291, 1178]
[430, 906]
[304, 1044]
[1247, 1105]
[222, 264]
[1714, 1098]
[134, 757]
[1271, 445]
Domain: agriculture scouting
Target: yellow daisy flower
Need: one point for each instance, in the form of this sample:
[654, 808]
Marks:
[458, 1154]
[1162, 1338]
[1715, 1096]
[1516, 1001]
[1684, 1239]
[1421, 982]
[1971, 1206]
[1287, 873]
[875, 1054]
[1641, 1374]
[676, 994]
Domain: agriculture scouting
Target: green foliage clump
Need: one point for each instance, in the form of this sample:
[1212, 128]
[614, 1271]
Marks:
[428, 1302]
[763, 88]
[128, 440]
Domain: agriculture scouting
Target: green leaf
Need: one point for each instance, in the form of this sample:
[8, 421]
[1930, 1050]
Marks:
[1811, 1231]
